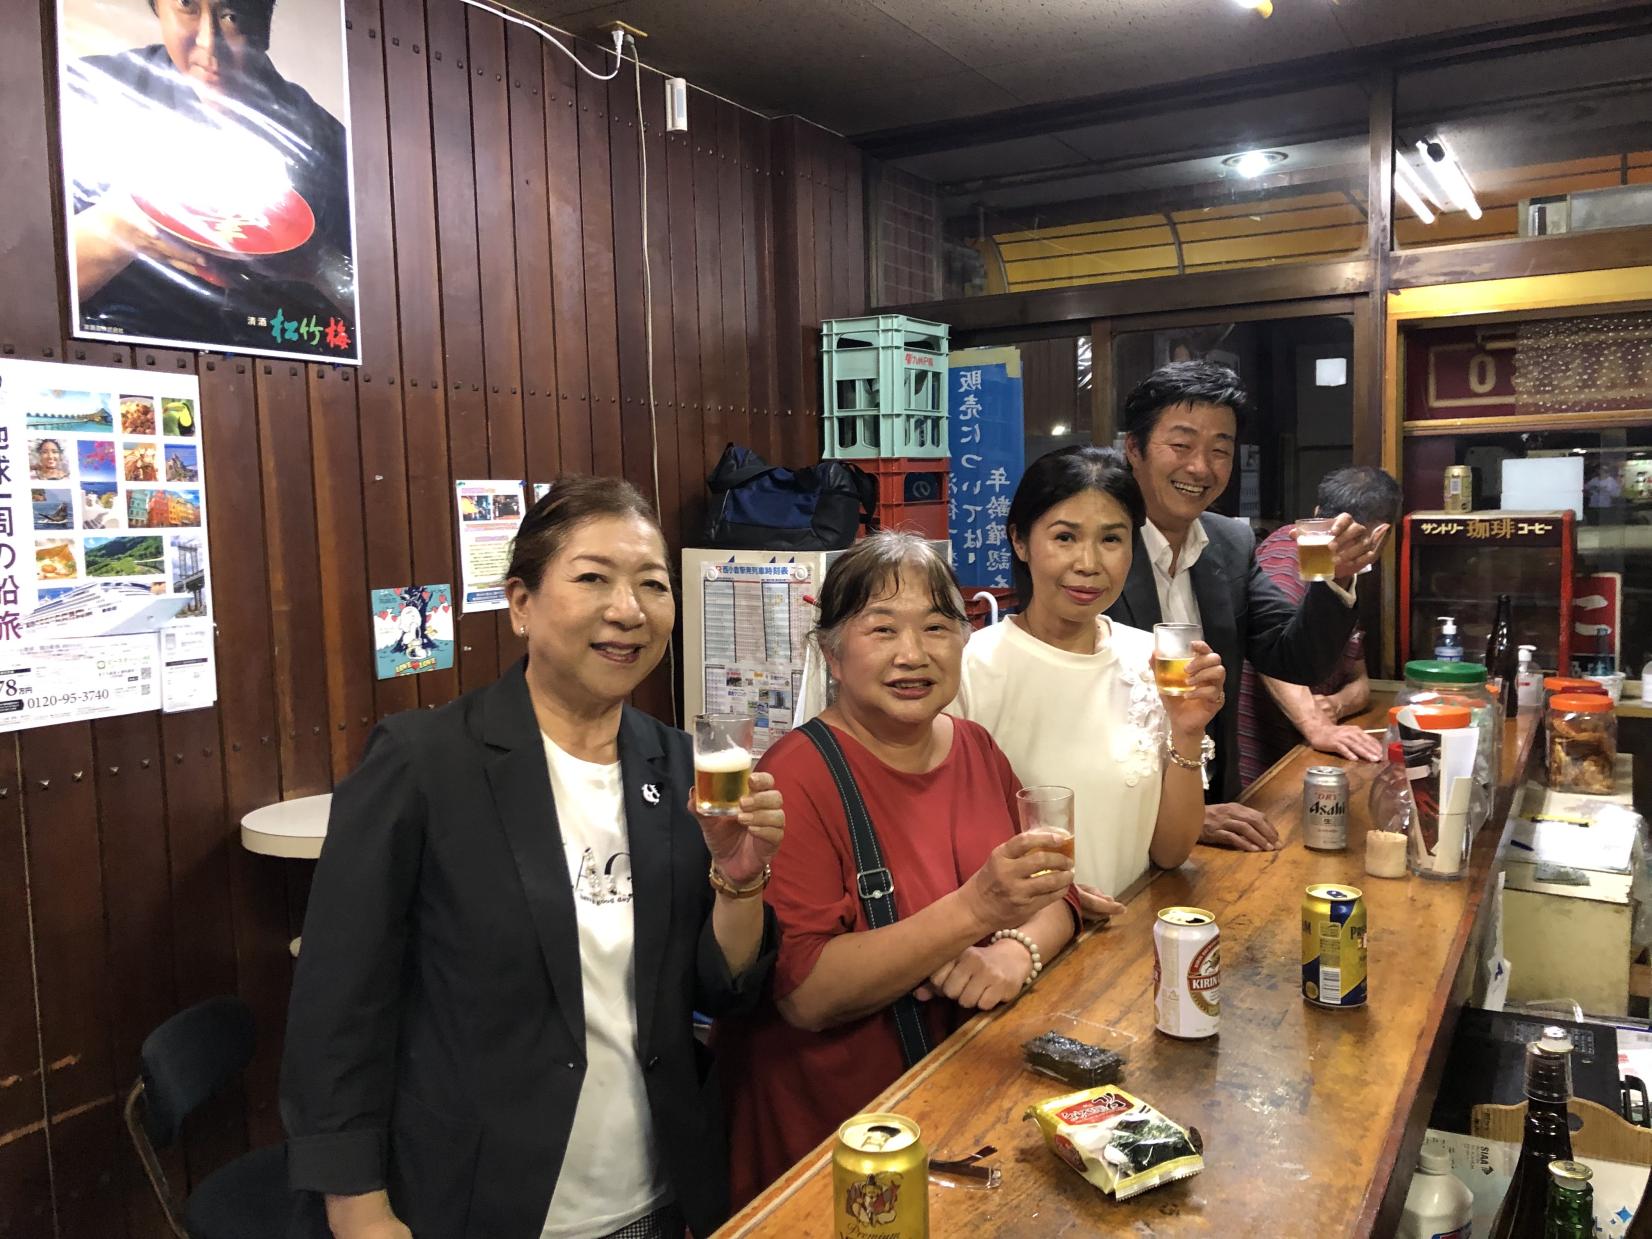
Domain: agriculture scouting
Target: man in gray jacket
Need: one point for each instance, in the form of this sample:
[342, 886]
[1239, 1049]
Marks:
[1189, 565]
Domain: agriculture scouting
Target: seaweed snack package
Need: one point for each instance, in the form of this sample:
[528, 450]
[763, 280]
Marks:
[1116, 1141]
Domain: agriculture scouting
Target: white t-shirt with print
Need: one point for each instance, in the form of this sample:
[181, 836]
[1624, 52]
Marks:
[611, 1175]
[1092, 722]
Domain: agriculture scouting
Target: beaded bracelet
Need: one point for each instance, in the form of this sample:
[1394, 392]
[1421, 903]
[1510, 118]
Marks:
[1032, 949]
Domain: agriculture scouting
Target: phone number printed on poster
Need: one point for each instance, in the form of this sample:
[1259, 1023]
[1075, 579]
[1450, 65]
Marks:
[46, 682]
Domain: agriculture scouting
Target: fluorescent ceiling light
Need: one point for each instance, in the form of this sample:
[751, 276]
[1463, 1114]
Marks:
[1060, 428]
[1407, 187]
[1264, 7]
[1449, 176]
[1330, 372]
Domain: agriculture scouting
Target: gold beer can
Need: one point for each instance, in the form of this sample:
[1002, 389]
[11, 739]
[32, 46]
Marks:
[880, 1179]
[1333, 946]
[1459, 489]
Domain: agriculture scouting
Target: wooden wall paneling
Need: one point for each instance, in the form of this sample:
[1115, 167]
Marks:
[660, 209]
[731, 231]
[844, 302]
[454, 69]
[562, 181]
[819, 147]
[597, 222]
[27, 1209]
[346, 603]
[715, 426]
[638, 445]
[247, 715]
[854, 208]
[29, 233]
[631, 354]
[812, 231]
[431, 502]
[491, 105]
[789, 376]
[294, 576]
[759, 210]
[378, 399]
[530, 200]
[685, 416]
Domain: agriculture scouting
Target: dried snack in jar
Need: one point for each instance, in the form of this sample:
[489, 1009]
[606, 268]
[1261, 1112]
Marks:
[1117, 1141]
[1073, 1062]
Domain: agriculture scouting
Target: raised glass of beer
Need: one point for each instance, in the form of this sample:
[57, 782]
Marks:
[1172, 652]
[722, 763]
[1048, 807]
[1314, 558]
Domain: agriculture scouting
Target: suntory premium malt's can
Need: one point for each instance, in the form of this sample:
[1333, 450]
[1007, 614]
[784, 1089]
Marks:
[1325, 808]
[880, 1179]
[1187, 973]
[1333, 946]
[1459, 489]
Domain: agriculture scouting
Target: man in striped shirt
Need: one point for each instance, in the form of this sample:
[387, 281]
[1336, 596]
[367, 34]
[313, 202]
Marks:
[1275, 716]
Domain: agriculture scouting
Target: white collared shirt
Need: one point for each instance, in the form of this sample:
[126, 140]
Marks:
[1177, 605]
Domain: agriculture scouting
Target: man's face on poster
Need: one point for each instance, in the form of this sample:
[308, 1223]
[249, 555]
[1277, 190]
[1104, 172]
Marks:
[216, 44]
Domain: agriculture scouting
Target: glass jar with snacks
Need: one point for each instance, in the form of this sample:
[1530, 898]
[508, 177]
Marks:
[1583, 743]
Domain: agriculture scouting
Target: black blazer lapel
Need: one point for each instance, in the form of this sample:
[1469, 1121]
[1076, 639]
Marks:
[653, 805]
[1140, 600]
[521, 786]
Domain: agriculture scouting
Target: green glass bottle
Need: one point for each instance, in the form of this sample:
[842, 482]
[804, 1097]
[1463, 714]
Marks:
[1571, 1211]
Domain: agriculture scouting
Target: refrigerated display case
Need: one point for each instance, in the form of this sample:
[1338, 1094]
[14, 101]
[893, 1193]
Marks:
[1457, 563]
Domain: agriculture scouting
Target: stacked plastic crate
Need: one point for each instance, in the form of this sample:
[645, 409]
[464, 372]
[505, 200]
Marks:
[885, 405]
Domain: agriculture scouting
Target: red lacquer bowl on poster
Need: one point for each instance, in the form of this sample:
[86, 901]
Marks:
[281, 226]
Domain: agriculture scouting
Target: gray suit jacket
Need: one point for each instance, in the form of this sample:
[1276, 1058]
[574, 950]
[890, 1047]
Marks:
[1244, 616]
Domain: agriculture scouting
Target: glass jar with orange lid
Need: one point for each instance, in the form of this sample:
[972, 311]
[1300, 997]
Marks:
[1582, 731]
[1435, 682]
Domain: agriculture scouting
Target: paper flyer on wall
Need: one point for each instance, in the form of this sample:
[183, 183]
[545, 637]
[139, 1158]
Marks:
[754, 622]
[103, 541]
[412, 630]
[489, 513]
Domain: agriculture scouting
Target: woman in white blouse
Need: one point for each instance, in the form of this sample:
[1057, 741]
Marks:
[1069, 695]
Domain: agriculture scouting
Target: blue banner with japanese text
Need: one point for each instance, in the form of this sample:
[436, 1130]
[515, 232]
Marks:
[988, 455]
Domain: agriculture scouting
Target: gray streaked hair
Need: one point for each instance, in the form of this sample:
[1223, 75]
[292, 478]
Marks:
[871, 571]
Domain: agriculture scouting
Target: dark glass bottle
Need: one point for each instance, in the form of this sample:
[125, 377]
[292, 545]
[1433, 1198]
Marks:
[1571, 1212]
[1547, 1138]
[1502, 661]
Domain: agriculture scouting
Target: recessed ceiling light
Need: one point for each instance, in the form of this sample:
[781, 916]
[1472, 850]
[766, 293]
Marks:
[1262, 7]
[1254, 163]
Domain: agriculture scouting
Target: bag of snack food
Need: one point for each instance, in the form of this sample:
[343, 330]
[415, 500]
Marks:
[1117, 1141]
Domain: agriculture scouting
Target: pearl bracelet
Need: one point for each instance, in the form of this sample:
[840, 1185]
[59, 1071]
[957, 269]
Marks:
[1032, 949]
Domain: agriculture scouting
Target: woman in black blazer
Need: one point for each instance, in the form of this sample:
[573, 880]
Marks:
[490, 1031]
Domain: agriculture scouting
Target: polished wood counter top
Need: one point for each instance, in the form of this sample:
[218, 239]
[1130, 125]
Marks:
[1305, 1112]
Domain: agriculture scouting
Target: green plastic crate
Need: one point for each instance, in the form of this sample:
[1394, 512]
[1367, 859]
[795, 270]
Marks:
[884, 387]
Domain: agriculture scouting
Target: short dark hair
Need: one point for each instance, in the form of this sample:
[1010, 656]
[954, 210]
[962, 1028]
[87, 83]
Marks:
[1059, 475]
[570, 502]
[255, 17]
[40, 443]
[1365, 492]
[871, 570]
[1181, 383]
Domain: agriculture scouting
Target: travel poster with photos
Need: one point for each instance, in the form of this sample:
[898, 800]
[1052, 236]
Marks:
[103, 542]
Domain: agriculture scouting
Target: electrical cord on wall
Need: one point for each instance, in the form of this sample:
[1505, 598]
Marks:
[550, 38]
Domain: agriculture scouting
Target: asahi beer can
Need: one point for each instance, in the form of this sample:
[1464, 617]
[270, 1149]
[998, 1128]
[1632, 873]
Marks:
[1187, 973]
[1325, 808]
[1459, 489]
[880, 1179]
[1333, 946]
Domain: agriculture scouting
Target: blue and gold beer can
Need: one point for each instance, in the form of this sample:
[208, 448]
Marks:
[1333, 946]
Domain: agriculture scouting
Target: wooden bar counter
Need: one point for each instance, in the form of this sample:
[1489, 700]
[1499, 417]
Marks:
[1311, 1118]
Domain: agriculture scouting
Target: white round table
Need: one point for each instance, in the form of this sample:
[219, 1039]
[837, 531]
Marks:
[291, 828]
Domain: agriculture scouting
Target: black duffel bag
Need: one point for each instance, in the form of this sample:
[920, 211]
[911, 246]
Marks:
[763, 507]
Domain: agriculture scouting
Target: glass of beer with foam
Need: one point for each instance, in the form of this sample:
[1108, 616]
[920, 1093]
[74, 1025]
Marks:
[1048, 807]
[1314, 558]
[722, 763]
[1172, 652]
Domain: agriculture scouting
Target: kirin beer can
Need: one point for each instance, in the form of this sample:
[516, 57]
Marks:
[1187, 973]
[1325, 808]
[880, 1179]
[1333, 946]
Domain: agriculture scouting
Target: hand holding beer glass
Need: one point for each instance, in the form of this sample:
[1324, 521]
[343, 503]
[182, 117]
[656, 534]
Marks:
[722, 763]
[1048, 808]
[1315, 560]
[1172, 652]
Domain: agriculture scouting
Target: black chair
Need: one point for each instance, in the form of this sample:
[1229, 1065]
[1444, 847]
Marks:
[185, 1062]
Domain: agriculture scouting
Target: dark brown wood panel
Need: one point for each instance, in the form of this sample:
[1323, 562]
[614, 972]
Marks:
[500, 254]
